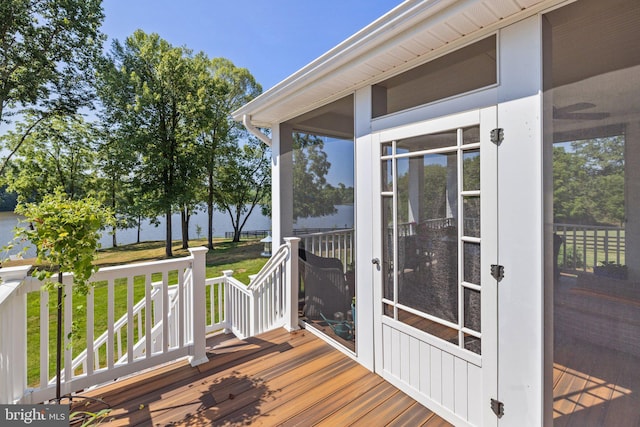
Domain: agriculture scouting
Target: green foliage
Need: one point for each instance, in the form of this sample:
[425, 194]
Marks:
[147, 90]
[59, 152]
[572, 258]
[66, 234]
[48, 49]
[243, 181]
[310, 168]
[89, 418]
[588, 178]
[222, 88]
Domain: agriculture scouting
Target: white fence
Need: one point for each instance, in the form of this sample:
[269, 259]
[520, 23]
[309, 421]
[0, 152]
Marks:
[179, 308]
[583, 247]
[334, 244]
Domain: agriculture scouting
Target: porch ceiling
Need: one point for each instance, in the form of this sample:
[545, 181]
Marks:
[408, 35]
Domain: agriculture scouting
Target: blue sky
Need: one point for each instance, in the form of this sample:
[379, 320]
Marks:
[271, 38]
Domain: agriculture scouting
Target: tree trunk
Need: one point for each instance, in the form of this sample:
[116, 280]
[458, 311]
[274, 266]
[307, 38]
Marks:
[210, 213]
[184, 220]
[210, 226]
[167, 246]
[114, 242]
[236, 235]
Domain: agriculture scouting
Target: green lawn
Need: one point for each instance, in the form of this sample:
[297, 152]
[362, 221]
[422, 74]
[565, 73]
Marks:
[243, 258]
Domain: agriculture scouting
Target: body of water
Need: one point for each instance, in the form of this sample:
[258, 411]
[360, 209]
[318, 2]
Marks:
[221, 225]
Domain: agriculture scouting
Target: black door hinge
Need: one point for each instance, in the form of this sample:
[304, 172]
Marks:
[497, 271]
[497, 407]
[497, 135]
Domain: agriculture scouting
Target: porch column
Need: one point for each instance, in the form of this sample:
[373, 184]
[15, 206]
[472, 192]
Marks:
[13, 339]
[281, 183]
[292, 284]
[198, 307]
[632, 199]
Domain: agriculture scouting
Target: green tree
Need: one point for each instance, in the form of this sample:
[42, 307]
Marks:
[588, 178]
[146, 88]
[310, 168]
[66, 234]
[116, 182]
[59, 153]
[48, 48]
[243, 182]
[224, 88]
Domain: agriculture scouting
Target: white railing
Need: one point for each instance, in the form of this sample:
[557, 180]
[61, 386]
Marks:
[268, 302]
[166, 324]
[169, 322]
[338, 244]
[584, 247]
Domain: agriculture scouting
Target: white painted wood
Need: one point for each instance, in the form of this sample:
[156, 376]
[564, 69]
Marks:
[414, 363]
[147, 316]
[477, 402]
[164, 338]
[461, 389]
[90, 363]
[396, 353]
[488, 255]
[44, 338]
[520, 202]
[110, 322]
[436, 374]
[66, 341]
[281, 183]
[451, 371]
[385, 355]
[448, 382]
[425, 369]
[366, 175]
[292, 285]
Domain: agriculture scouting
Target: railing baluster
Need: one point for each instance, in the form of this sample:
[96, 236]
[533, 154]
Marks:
[130, 320]
[44, 337]
[147, 315]
[110, 320]
[165, 312]
[89, 364]
[67, 348]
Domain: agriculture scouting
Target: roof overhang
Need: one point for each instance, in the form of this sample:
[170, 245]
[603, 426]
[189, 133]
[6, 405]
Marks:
[412, 33]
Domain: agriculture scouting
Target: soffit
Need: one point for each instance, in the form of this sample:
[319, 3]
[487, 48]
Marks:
[409, 35]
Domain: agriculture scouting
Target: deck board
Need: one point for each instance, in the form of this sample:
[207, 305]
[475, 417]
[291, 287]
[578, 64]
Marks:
[278, 378]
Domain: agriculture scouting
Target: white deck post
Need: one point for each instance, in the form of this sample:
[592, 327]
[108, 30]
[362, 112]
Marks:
[198, 306]
[13, 339]
[292, 285]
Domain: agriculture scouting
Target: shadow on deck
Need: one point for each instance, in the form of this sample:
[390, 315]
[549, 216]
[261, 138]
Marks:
[277, 378]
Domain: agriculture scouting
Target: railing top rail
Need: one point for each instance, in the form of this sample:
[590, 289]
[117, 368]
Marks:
[327, 233]
[146, 266]
[274, 261]
[588, 227]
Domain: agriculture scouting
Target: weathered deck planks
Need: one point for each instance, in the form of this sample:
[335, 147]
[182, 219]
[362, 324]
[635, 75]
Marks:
[278, 378]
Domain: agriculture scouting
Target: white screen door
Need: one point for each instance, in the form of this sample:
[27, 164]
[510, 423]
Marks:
[436, 239]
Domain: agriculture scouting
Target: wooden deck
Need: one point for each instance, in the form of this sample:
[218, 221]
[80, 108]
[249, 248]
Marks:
[278, 378]
[595, 386]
